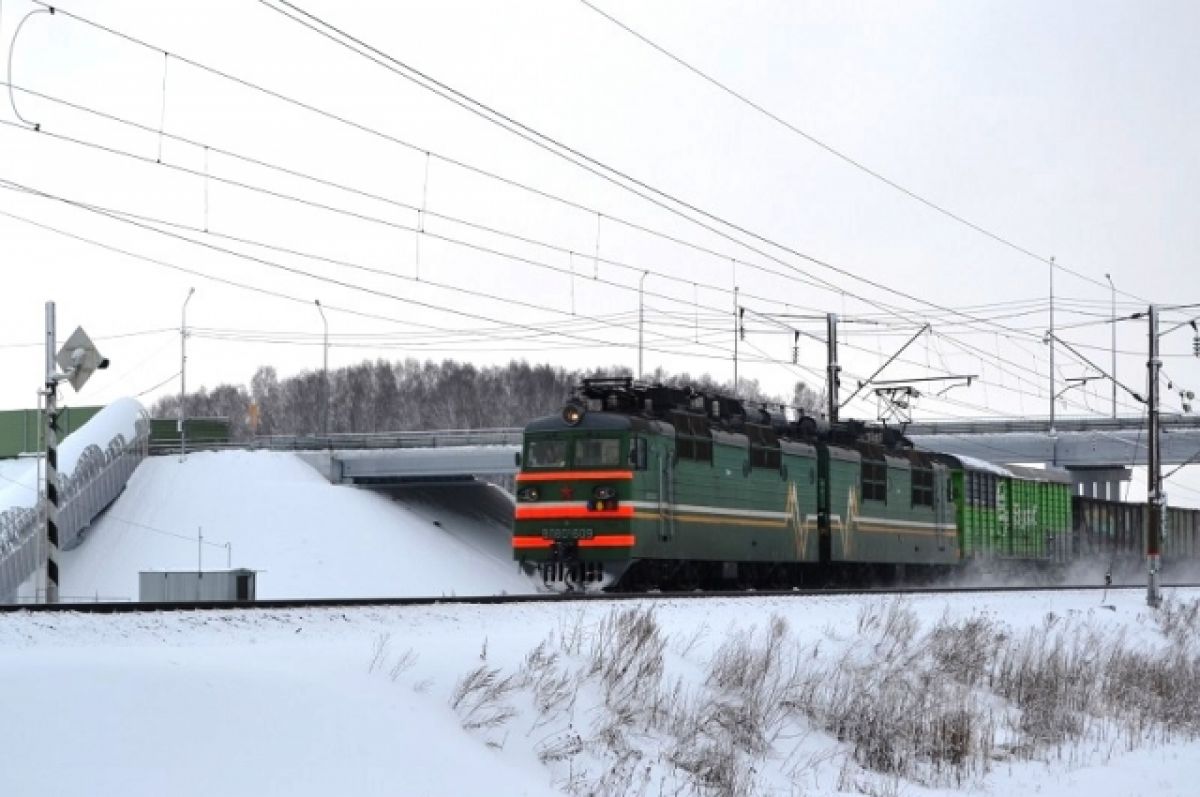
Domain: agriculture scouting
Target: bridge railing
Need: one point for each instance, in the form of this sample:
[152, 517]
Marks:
[96, 481]
[441, 438]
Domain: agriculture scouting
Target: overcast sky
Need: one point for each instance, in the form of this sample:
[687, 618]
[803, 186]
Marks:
[1066, 129]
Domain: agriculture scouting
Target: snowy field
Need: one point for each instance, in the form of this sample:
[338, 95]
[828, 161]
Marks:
[1065, 693]
[377, 701]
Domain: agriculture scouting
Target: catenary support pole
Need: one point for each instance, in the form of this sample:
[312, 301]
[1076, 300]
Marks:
[1052, 396]
[1114, 348]
[1154, 513]
[736, 334]
[831, 344]
[51, 436]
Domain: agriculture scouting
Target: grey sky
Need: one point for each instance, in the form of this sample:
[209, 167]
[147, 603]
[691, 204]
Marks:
[1065, 127]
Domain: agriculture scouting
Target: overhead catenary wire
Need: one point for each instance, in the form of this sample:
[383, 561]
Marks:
[361, 216]
[147, 223]
[859, 165]
[662, 204]
[537, 191]
[133, 219]
[893, 311]
[623, 180]
[304, 301]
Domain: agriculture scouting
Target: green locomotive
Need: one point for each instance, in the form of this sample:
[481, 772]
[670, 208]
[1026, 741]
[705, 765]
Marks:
[656, 487]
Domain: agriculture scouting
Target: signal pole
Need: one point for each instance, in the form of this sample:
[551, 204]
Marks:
[50, 576]
[1154, 508]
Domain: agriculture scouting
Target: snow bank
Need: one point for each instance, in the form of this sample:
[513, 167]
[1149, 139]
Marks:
[307, 537]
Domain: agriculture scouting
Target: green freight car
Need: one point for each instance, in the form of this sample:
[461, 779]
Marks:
[645, 487]
[1010, 512]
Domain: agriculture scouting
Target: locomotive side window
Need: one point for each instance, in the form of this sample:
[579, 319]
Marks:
[874, 480]
[598, 453]
[693, 438]
[638, 454]
[922, 487]
[546, 454]
[764, 447]
[684, 448]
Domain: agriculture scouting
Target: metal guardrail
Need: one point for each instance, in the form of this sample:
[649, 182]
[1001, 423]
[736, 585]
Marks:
[442, 438]
[97, 480]
[985, 426]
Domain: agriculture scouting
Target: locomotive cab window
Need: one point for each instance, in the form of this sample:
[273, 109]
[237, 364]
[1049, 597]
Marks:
[598, 453]
[546, 454]
[874, 480]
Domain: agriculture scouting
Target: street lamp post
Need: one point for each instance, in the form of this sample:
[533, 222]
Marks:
[641, 320]
[324, 372]
[1114, 343]
[183, 378]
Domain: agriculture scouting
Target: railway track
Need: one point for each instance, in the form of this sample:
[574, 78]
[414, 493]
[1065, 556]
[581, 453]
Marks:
[127, 607]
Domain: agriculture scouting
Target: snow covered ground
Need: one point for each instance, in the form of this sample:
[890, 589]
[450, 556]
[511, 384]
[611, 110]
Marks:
[273, 513]
[576, 698]
[322, 702]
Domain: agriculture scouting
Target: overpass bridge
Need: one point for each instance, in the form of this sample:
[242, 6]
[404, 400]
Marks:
[1098, 452]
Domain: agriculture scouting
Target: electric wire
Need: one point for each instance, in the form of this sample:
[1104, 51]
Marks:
[647, 192]
[721, 233]
[846, 158]
[894, 312]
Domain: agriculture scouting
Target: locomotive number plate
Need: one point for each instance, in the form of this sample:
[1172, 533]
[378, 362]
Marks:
[567, 534]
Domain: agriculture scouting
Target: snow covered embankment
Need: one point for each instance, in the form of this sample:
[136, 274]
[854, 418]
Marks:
[310, 539]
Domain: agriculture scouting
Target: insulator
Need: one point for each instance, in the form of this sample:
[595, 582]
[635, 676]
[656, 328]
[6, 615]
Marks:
[1196, 345]
[795, 355]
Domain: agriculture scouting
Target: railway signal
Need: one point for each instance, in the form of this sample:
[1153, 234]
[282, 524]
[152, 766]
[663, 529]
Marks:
[78, 359]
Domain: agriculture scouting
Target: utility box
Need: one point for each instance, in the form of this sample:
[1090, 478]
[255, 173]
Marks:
[157, 586]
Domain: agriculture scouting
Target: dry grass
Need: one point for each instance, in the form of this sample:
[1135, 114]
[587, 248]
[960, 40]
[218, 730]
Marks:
[936, 707]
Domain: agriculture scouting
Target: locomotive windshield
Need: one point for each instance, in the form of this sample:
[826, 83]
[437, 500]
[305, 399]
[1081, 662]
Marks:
[597, 453]
[546, 454]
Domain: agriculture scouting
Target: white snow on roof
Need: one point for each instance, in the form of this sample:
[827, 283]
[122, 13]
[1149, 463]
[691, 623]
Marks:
[982, 464]
[18, 479]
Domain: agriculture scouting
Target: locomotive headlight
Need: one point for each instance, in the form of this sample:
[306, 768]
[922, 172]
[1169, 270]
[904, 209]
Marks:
[573, 413]
[605, 492]
[528, 494]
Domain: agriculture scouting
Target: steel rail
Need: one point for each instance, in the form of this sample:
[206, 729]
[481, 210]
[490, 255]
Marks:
[130, 607]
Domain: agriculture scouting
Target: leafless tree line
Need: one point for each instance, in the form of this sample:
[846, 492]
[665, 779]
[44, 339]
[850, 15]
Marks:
[384, 396]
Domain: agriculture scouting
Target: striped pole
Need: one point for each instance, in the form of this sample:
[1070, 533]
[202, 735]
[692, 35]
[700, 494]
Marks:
[51, 495]
[51, 592]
